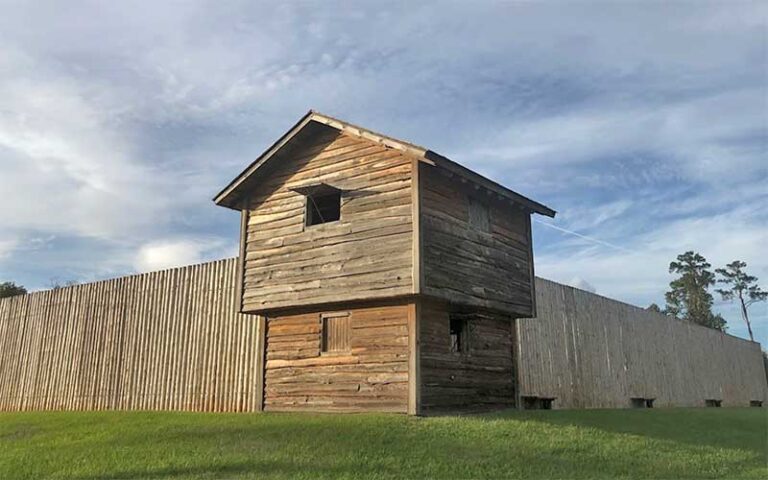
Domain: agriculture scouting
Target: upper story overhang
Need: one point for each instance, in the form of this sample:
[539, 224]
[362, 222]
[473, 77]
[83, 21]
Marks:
[234, 195]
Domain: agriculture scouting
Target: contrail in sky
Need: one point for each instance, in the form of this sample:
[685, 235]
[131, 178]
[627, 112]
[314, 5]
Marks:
[585, 237]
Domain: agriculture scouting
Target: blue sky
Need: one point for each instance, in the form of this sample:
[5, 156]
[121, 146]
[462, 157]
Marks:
[645, 125]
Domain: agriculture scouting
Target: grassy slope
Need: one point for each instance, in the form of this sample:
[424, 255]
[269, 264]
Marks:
[674, 443]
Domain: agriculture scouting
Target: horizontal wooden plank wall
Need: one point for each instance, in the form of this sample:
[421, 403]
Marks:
[481, 378]
[168, 340]
[589, 351]
[366, 254]
[371, 376]
[462, 264]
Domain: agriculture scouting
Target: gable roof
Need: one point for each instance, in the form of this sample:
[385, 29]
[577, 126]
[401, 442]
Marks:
[231, 194]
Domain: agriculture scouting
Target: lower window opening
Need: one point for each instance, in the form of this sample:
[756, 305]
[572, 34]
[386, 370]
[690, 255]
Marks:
[711, 402]
[755, 403]
[640, 402]
[537, 403]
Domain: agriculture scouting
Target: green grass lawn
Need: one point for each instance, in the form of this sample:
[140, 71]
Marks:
[657, 443]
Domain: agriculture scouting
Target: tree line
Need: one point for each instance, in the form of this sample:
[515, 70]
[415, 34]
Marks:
[689, 297]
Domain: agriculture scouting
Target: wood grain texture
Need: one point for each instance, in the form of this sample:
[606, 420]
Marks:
[171, 340]
[588, 351]
[367, 254]
[479, 379]
[168, 340]
[463, 264]
[371, 376]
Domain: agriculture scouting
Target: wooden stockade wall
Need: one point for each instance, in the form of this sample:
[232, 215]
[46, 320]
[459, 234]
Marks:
[170, 340]
[588, 351]
[167, 340]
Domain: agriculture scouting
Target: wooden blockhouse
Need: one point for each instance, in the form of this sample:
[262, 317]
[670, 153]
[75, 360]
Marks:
[385, 276]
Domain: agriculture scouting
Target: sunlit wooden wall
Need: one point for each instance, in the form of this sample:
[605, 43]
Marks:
[167, 340]
[171, 340]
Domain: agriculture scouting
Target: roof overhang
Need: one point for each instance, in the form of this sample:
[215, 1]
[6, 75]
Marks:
[230, 195]
[314, 189]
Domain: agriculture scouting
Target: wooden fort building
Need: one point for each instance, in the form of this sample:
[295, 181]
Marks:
[386, 277]
[373, 275]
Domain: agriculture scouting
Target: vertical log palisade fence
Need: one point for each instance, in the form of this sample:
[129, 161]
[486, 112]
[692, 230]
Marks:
[171, 340]
[167, 340]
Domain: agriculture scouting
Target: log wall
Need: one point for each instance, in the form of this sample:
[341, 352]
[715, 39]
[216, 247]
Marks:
[168, 340]
[488, 267]
[366, 254]
[480, 378]
[589, 351]
[371, 376]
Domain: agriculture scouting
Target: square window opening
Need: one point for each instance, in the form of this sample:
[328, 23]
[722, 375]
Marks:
[323, 208]
[479, 217]
[335, 336]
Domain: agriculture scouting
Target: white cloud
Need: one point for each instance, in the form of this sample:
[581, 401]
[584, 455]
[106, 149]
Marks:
[582, 284]
[645, 127]
[7, 246]
[162, 254]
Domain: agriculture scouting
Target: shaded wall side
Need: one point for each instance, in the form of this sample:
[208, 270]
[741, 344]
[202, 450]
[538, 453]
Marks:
[371, 376]
[482, 377]
[487, 267]
[589, 351]
[168, 340]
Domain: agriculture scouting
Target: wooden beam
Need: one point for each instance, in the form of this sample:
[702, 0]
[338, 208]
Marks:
[261, 329]
[532, 274]
[241, 261]
[414, 359]
[417, 230]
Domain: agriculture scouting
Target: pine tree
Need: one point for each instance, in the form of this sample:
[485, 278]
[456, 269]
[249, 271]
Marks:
[10, 289]
[741, 286]
[689, 297]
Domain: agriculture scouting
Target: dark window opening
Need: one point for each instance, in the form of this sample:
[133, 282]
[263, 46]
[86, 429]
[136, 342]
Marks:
[459, 337]
[755, 403]
[479, 218]
[537, 403]
[335, 332]
[639, 402]
[323, 208]
[710, 402]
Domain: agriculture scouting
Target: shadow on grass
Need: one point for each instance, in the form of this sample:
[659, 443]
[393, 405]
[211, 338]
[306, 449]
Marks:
[511, 444]
[249, 469]
[312, 446]
[732, 428]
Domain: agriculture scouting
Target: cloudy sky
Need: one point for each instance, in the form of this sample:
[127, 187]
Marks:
[645, 125]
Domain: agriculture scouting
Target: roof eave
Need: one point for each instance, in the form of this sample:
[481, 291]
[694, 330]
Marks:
[226, 197]
[229, 198]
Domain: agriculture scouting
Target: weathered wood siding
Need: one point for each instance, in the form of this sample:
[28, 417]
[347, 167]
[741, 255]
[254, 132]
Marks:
[366, 255]
[481, 378]
[168, 340]
[589, 351]
[372, 375]
[465, 264]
